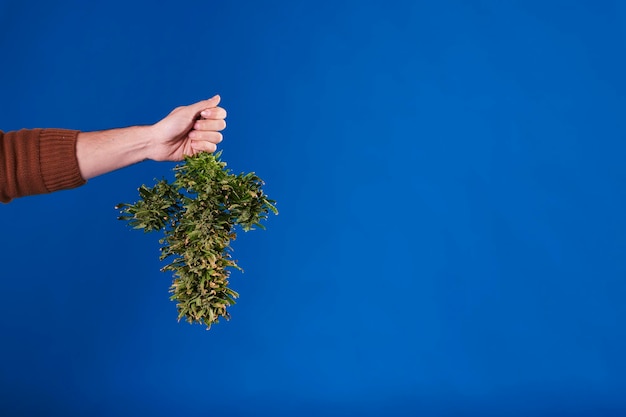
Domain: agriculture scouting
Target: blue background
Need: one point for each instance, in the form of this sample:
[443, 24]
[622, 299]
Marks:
[451, 183]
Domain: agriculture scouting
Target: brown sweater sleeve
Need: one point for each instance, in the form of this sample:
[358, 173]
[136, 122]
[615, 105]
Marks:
[37, 161]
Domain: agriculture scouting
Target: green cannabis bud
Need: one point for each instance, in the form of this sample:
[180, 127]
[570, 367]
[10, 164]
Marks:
[198, 213]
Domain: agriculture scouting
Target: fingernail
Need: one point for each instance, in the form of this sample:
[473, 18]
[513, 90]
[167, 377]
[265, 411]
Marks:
[205, 113]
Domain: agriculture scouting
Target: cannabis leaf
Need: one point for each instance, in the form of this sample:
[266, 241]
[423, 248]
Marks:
[198, 213]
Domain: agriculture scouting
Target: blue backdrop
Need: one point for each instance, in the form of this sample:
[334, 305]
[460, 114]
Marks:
[451, 181]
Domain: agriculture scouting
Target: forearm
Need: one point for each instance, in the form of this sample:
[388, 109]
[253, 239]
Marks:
[37, 161]
[108, 150]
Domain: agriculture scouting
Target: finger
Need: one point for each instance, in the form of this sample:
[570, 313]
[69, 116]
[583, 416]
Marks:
[203, 146]
[214, 113]
[210, 124]
[206, 135]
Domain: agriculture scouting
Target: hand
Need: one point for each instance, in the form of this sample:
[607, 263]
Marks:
[188, 130]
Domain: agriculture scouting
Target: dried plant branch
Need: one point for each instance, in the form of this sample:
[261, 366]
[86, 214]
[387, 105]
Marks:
[198, 214]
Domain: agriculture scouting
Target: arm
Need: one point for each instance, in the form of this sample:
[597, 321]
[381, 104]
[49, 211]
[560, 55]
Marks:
[37, 161]
[40, 161]
[186, 130]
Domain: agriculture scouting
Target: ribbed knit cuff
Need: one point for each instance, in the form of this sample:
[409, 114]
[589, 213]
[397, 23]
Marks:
[57, 156]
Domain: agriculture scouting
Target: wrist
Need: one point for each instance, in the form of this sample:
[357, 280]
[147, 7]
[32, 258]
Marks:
[155, 140]
[145, 143]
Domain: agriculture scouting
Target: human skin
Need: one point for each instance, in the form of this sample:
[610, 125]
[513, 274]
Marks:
[187, 130]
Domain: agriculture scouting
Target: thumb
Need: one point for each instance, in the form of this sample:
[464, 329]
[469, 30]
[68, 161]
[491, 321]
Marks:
[206, 104]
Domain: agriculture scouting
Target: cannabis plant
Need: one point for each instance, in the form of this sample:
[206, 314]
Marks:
[198, 213]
